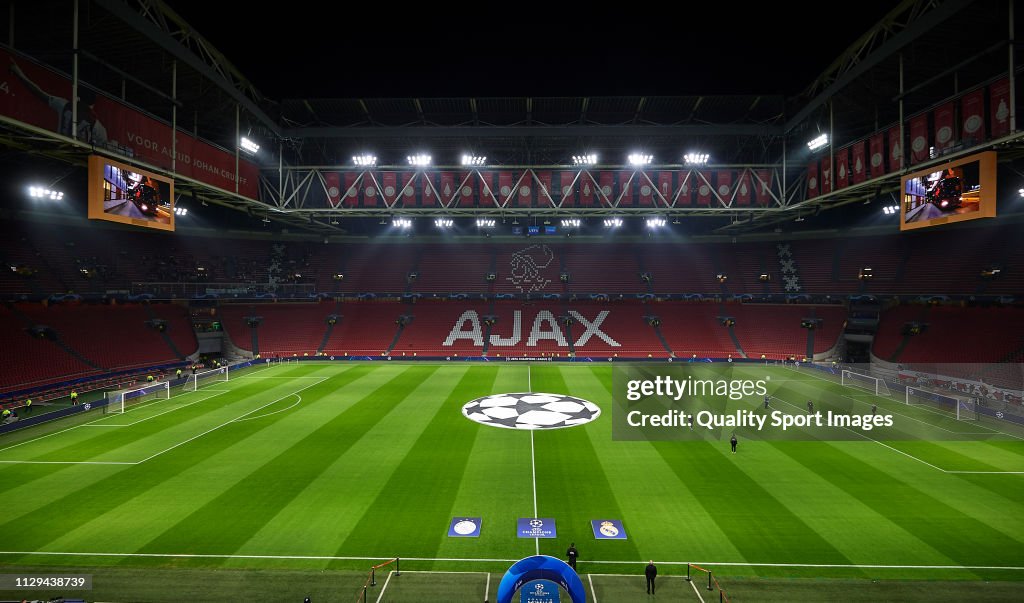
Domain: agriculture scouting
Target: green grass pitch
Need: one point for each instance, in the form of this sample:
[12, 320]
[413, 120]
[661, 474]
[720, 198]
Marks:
[296, 478]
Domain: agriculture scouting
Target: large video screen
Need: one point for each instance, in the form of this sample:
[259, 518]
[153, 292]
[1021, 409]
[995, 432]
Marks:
[126, 194]
[964, 189]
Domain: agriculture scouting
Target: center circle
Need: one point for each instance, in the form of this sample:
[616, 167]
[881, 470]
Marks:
[531, 411]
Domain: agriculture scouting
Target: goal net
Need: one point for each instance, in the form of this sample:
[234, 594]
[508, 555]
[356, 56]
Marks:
[118, 401]
[205, 378]
[966, 409]
[872, 384]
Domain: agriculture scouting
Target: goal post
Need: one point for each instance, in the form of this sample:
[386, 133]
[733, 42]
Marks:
[202, 379]
[118, 401]
[859, 380]
[966, 408]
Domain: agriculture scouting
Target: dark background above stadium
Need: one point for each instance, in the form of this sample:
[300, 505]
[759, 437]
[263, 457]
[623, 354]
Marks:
[544, 61]
[319, 50]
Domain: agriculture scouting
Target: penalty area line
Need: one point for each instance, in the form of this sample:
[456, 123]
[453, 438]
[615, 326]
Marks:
[225, 424]
[69, 462]
[297, 402]
[695, 591]
[896, 450]
[896, 400]
[385, 587]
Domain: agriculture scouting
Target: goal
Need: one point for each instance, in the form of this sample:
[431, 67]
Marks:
[966, 408]
[118, 401]
[872, 384]
[205, 378]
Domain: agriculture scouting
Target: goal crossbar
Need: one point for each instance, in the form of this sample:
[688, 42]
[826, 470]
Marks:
[198, 380]
[873, 384]
[966, 408]
[118, 400]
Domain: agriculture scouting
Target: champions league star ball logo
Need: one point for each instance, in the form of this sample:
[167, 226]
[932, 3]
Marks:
[608, 529]
[531, 411]
[536, 523]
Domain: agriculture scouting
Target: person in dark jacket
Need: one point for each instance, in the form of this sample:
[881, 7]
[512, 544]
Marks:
[572, 554]
[651, 572]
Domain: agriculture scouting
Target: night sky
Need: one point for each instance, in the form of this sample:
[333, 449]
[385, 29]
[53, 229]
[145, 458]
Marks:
[307, 50]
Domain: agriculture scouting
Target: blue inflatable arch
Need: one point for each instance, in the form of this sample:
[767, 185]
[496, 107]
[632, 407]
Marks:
[541, 567]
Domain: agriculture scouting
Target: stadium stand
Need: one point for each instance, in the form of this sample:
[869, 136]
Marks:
[984, 343]
[31, 361]
[625, 324]
[775, 330]
[693, 328]
[92, 262]
[376, 267]
[426, 334]
[368, 328]
[117, 336]
[953, 334]
[286, 329]
[112, 259]
[453, 267]
[601, 269]
[365, 329]
[913, 263]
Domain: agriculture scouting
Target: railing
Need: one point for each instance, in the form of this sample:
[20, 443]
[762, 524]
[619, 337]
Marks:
[371, 579]
[174, 290]
[712, 582]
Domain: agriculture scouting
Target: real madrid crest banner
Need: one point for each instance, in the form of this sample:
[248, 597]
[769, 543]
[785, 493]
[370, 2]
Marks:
[608, 529]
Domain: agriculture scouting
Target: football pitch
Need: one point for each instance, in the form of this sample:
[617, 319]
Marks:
[295, 478]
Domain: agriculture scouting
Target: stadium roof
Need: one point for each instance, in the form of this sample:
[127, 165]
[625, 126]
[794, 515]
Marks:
[136, 48]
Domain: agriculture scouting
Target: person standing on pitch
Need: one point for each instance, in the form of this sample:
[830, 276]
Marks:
[651, 572]
[732, 442]
[572, 554]
[810, 407]
[767, 399]
[874, 409]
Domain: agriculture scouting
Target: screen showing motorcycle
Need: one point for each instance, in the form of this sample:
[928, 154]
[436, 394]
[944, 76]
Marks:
[126, 194]
[963, 189]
